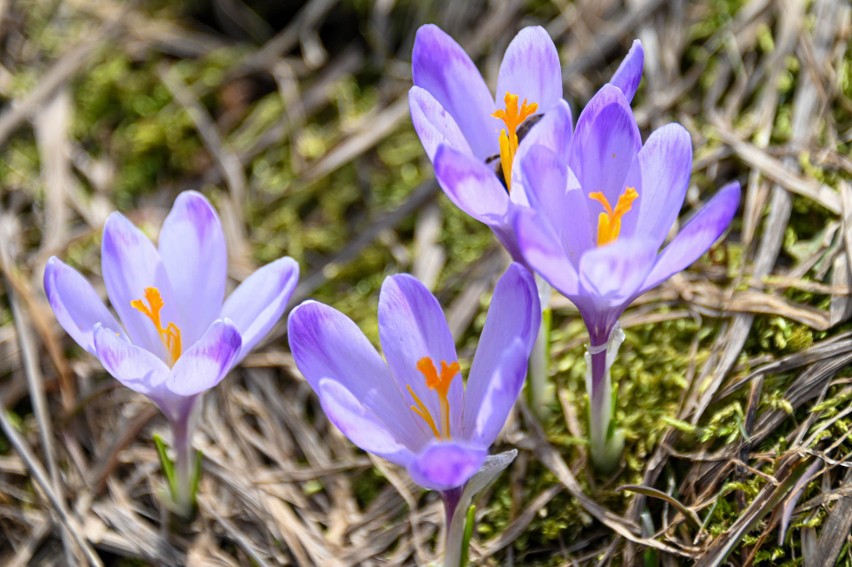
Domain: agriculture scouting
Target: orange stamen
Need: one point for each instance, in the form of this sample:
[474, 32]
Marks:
[609, 222]
[170, 334]
[441, 384]
[512, 117]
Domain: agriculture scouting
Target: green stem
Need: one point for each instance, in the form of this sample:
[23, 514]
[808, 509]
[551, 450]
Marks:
[538, 392]
[605, 441]
[184, 468]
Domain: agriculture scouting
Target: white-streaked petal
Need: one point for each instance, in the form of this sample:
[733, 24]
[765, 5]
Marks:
[192, 248]
[76, 304]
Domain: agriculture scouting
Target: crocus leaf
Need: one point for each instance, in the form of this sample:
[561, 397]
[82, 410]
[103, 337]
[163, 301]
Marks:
[166, 463]
[468, 533]
[196, 477]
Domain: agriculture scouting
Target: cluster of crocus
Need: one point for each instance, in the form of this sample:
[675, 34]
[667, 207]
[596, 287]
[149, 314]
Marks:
[587, 210]
[178, 336]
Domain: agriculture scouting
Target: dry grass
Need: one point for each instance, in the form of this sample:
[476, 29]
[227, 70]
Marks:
[300, 133]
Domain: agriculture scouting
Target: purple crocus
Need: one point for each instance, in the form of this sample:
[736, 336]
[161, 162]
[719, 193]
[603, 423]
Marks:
[177, 338]
[452, 108]
[475, 143]
[412, 408]
[599, 207]
[471, 136]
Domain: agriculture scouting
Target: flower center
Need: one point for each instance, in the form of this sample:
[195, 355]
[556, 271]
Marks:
[512, 117]
[170, 334]
[609, 222]
[441, 384]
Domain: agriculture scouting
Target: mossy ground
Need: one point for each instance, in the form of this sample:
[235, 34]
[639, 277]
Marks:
[127, 122]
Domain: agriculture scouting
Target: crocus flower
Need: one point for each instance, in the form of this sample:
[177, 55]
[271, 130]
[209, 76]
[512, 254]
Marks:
[475, 144]
[471, 136]
[600, 205]
[412, 408]
[177, 338]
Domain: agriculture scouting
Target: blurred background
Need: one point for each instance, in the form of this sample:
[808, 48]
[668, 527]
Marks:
[292, 117]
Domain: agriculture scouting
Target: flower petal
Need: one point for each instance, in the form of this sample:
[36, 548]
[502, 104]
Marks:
[412, 326]
[433, 124]
[206, 362]
[605, 144]
[471, 186]
[542, 251]
[446, 465]
[135, 367]
[660, 174]
[440, 66]
[130, 263]
[554, 131]
[531, 69]
[361, 425]
[327, 344]
[192, 248]
[629, 73]
[697, 235]
[500, 363]
[258, 303]
[610, 277]
[555, 194]
[76, 304]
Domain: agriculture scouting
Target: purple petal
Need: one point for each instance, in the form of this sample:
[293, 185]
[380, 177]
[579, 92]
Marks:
[446, 465]
[192, 248]
[543, 251]
[327, 344]
[206, 362]
[258, 303]
[135, 367]
[554, 132]
[697, 235]
[433, 124]
[555, 194]
[440, 66]
[612, 275]
[360, 424]
[76, 304]
[412, 326]
[605, 144]
[660, 175]
[500, 363]
[629, 73]
[130, 264]
[531, 70]
[472, 186]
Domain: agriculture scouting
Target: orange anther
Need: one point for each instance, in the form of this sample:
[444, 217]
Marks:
[441, 384]
[609, 222]
[512, 117]
[170, 334]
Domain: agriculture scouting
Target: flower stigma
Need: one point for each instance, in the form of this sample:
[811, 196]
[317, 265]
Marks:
[512, 117]
[170, 334]
[441, 384]
[609, 222]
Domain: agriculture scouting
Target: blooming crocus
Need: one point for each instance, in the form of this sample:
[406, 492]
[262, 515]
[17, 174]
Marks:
[471, 136]
[176, 337]
[475, 141]
[600, 206]
[412, 408]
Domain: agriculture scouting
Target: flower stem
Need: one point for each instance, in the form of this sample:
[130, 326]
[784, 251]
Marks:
[453, 534]
[538, 392]
[184, 467]
[605, 441]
